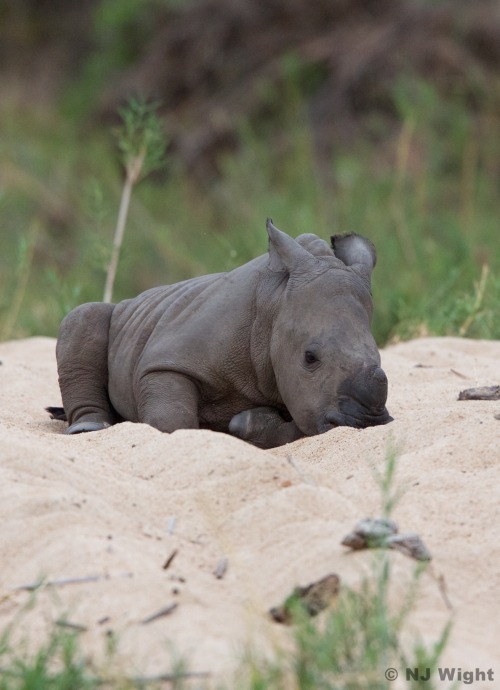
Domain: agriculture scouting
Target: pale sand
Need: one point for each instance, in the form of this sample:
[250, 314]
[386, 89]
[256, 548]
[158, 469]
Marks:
[103, 503]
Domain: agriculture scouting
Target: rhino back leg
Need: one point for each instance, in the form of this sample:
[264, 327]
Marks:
[264, 427]
[168, 401]
[82, 363]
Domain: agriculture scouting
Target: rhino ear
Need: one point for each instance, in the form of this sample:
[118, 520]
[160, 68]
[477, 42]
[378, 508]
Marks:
[356, 251]
[284, 251]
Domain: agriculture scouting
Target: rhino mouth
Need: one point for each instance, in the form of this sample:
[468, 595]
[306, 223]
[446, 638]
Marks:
[353, 414]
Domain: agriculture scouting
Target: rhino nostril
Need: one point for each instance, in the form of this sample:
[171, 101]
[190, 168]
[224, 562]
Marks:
[379, 376]
[335, 417]
[372, 391]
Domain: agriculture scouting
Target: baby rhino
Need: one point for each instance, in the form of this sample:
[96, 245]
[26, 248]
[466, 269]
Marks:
[277, 349]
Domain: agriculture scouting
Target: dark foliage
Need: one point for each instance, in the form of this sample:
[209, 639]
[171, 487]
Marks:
[215, 63]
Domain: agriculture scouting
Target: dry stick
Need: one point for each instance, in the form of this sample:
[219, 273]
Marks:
[457, 373]
[443, 589]
[56, 583]
[171, 524]
[170, 559]
[301, 474]
[78, 627]
[67, 581]
[221, 568]
[165, 611]
[132, 176]
[169, 677]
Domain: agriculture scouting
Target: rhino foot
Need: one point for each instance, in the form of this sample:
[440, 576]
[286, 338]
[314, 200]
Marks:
[264, 427]
[81, 427]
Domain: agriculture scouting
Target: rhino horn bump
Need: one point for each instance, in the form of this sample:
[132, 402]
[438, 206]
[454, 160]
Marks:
[380, 377]
[285, 253]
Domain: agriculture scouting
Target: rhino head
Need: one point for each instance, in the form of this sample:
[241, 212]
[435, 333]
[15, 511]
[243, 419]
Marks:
[325, 359]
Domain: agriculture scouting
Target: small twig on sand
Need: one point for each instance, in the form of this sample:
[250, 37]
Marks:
[170, 559]
[165, 611]
[459, 374]
[31, 587]
[443, 589]
[171, 524]
[72, 626]
[168, 677]
[304, 478]
[221, 568]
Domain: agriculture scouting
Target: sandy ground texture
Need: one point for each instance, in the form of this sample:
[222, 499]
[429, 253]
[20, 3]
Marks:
[118, 504]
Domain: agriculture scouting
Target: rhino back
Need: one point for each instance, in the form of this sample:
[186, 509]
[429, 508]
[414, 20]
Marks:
[199, 327]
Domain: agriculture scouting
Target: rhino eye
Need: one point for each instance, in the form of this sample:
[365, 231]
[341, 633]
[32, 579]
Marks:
[310, 357]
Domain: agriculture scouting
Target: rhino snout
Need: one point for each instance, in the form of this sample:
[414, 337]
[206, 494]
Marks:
[362, 400]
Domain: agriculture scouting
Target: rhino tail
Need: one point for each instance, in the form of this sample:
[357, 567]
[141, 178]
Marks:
[57, 413]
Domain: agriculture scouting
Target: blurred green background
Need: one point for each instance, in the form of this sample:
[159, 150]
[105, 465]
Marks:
[375, 116]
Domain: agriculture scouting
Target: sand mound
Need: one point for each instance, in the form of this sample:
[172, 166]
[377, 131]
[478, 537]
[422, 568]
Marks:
[118, 504]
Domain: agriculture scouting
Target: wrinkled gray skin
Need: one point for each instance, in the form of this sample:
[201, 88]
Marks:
[277, 349]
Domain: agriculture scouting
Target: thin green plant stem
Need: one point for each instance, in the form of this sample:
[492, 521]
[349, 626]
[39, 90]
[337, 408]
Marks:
[480, 289]
[142, 145]
[399, 193]
[132, 176]
[25, 263]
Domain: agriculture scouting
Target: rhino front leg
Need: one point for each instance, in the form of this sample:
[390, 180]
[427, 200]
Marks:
[264, 427]
[82, 363]
[168, 401]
